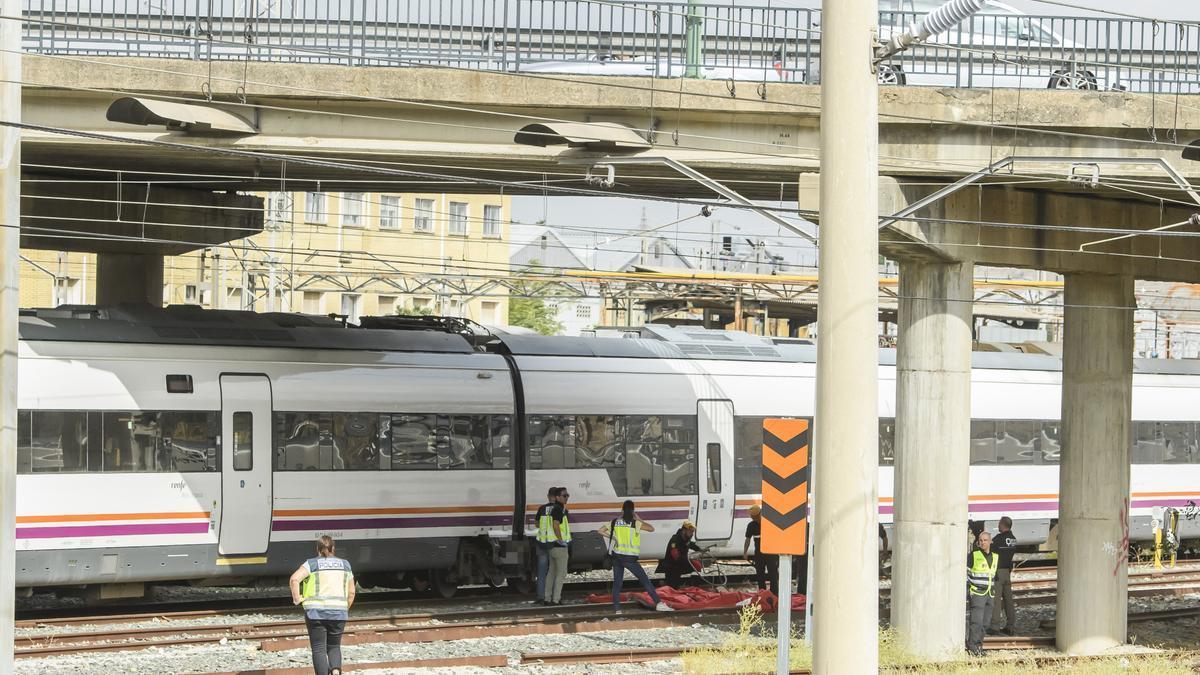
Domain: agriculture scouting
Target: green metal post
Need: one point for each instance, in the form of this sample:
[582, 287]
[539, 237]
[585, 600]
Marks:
[693, 27]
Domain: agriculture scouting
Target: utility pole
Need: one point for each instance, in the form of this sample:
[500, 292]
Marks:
[846, 588]
[692, 33]
[10, 246]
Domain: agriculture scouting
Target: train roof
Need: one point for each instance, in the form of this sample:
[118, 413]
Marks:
[191, 325]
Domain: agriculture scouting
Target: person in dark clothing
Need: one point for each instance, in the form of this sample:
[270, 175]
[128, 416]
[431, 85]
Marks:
[675, 563]
[1004, 544]
[766, 565]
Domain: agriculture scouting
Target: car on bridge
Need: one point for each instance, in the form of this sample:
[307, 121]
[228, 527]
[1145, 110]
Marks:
[998, 47]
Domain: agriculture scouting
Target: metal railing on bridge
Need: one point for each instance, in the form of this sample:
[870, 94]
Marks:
[606, 37]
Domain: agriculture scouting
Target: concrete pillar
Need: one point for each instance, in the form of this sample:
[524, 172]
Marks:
[1093, 507]
[129, 278]
[10, 215]
[932, 461]
[845, 597]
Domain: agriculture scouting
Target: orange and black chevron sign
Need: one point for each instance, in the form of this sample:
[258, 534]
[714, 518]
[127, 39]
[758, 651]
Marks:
[785, 486]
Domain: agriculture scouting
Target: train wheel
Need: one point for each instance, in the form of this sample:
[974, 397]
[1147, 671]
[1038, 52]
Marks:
[443, 584]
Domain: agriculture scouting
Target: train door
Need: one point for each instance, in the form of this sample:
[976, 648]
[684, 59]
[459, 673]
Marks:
[245, 464]
[714, 518]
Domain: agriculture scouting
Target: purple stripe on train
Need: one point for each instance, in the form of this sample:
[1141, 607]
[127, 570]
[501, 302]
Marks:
[133, 529]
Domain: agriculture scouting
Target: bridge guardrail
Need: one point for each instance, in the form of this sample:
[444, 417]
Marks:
[737, 42]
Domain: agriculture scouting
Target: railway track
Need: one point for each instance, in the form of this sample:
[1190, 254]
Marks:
[277, 636]
[201, 609]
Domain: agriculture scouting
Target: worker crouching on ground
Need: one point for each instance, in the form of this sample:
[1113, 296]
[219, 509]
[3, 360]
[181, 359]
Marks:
[325, 585]
[675, 564]
[625, 545]
[981, 575]
[766, 565]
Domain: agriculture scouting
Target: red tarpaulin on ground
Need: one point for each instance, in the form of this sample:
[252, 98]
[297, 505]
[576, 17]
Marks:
[693, 597]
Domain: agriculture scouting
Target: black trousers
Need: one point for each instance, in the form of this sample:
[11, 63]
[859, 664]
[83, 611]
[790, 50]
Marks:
[325, 637]
[766, 569]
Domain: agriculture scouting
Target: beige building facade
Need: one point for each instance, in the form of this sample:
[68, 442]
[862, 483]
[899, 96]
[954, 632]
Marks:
[350, 253]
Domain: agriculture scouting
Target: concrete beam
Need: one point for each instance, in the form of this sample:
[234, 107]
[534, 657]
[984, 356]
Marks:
[1093, 507]
[1056, 246]
[933, 432]
[131, 217]
[123, 278]
[463, 121]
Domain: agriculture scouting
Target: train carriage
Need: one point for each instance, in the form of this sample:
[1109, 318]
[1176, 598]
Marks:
[183, 446]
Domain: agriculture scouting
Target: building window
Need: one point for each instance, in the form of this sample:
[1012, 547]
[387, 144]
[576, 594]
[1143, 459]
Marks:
[352, 209]
[314, 207]
[458, 218]
[279, 207]
[489, 312]
[422, 305]
[389, 212]
[352, 306]
[387, 305]
[189, 294]
[583, 312]
[311, 302]
[491, 220]
[423, 215]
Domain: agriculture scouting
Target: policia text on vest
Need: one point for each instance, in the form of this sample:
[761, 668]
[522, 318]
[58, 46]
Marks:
[325, 585]
[981, 576]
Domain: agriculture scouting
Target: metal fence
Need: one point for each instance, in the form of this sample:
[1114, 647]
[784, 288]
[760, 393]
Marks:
[663, 39]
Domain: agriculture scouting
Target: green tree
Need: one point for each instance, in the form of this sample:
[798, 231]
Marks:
[532, 313]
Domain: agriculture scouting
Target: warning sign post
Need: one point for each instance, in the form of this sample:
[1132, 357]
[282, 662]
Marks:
[785, 481]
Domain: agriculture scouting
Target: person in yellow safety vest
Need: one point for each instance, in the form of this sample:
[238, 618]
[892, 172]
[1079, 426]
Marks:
[325, 585]
[545, 540]
[556, 528]
[981, 576]
[625, 546]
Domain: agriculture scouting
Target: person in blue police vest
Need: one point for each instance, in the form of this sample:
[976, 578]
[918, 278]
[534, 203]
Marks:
[325, 585]
[625, 544]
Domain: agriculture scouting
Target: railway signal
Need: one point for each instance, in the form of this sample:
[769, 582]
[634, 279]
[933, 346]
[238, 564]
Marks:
[785, 481]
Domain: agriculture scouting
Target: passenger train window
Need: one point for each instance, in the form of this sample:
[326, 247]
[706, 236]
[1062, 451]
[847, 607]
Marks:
[600, 439]
[714, 467]
[643, 456]
[551, 442]
[501, 441]
[58, 441]
[112, 442]
[679, 455]
[983, 442]
[414, 442]
[24, 442]
[1017, 442]
[1181, 443]
[748, 440]
[1051, 446]
[887, 441]
[243, 441]
[353, 441]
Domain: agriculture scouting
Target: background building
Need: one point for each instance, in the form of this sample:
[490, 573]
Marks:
[350, 253]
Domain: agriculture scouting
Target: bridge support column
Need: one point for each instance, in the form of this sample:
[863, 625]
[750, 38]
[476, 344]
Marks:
[1093, 508]
[129, 278]
[932, 460]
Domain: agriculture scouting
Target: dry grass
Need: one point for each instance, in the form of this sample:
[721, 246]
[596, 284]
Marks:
[752, 650]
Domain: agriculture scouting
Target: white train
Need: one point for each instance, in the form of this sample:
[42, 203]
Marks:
[180, 445]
